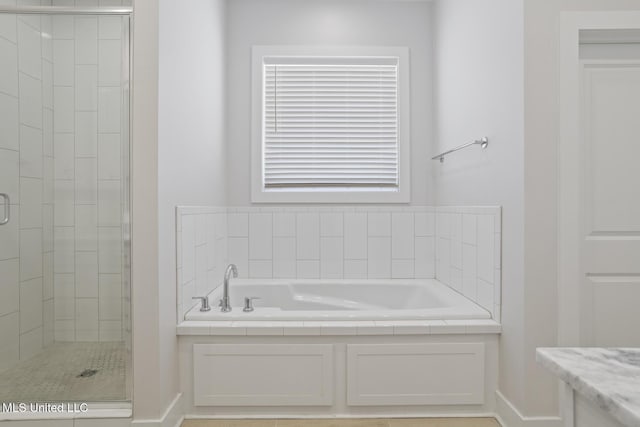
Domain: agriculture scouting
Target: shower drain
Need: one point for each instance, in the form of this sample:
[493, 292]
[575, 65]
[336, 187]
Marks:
[87, 373]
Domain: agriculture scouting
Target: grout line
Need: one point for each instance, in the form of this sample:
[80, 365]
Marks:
[25, 22]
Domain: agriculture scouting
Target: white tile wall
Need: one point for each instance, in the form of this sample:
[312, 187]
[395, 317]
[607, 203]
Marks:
[25, 253]
[339, 242]
[9, 124]
[306, 269]
[379, 257]
[10, 335]
[379, 224]
[355, 235]
[355, 269]
[343, 242]
[87, 165]
[307, 237]
[261, 230]
[284, 256]
[468, 250]
[202, 246]
[332, 257]
[58, 176]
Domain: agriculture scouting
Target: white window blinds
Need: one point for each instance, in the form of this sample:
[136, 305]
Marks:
[330, 123]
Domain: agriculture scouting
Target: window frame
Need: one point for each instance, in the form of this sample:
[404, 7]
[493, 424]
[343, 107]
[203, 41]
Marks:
[259, 194]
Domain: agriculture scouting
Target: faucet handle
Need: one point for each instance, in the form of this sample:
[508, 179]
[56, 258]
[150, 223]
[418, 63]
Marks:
[205, 303]
[248, 304]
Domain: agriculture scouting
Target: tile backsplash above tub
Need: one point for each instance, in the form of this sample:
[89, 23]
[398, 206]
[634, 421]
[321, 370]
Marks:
[321, 243]
[201, 250]
[331, 243]
[468, 253]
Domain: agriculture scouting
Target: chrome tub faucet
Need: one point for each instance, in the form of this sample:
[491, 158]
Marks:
[224, 302]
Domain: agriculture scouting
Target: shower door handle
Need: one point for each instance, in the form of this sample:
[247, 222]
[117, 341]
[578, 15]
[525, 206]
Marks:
[7, 208]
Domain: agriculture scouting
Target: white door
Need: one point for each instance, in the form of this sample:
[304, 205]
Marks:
[609, 196]
[599, 179]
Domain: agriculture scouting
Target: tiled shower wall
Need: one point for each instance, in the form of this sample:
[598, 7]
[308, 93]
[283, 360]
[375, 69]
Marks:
[332, 243]
[26, 174]
[87, 139]
[60, 161]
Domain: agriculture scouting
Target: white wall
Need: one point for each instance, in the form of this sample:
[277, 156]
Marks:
[191, 145]
[486, 53]
[541, 181]
[480, 69]
[479, 92]
[327, 22]
[147, 401]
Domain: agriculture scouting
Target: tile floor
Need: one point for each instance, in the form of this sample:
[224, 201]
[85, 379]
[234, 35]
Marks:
[52, 375]
[404, 422]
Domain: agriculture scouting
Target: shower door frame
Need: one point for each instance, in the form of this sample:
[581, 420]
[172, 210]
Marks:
[101, 409]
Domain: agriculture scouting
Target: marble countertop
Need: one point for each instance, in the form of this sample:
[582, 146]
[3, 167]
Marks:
[609, 377]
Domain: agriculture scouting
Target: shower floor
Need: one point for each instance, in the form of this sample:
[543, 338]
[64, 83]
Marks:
[53, 374]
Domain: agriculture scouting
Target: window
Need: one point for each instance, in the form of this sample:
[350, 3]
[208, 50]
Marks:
[330, 125]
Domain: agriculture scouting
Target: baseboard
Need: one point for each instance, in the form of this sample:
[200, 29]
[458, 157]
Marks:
[509, 416]
[172, 417]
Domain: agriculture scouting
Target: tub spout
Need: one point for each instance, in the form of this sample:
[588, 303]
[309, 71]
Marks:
[224, 302]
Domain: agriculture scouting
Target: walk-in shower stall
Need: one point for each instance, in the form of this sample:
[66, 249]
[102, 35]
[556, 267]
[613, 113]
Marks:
[65, 330]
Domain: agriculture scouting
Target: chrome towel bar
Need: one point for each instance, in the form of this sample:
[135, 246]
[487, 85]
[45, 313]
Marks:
[484, 142]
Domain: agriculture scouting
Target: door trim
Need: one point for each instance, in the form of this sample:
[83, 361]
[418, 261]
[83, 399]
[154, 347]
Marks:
[569, 136]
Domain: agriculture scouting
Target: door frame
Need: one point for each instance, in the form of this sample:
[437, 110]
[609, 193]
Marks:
[569, 155]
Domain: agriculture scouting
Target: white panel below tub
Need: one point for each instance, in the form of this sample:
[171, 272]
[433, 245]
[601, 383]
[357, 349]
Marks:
[415, 374]
[263, 375]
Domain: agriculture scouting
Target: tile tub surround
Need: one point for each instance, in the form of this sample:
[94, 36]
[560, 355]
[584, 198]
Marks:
[201, 249]
[332, 243]
[372, 242]
[608, 377]
[468, 253]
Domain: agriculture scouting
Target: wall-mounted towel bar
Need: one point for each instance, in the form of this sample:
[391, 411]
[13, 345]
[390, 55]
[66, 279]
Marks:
[484, 143]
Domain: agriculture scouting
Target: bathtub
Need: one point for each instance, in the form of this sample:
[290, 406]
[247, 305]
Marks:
[296, 299]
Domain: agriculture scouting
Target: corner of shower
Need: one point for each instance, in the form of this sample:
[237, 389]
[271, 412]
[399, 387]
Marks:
[65, 323]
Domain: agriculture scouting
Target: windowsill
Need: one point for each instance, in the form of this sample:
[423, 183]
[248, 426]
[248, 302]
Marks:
[330, 197]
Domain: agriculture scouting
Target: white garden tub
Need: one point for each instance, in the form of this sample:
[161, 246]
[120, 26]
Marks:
[296, 299]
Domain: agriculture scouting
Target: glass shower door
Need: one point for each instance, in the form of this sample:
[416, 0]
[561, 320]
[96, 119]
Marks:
[64, 175]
